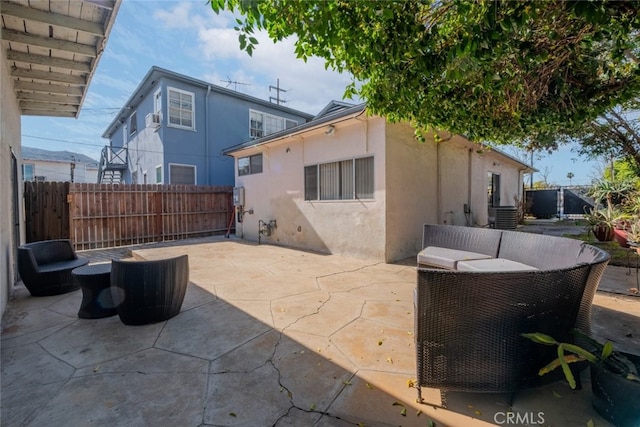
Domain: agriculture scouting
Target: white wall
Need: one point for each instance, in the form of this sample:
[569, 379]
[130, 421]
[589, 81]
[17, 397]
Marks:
[61, 171]
[411, 189]
[430, 183]
[415, 183]
[145, 153]
[349, 227]
[488, 161]
[10, 132]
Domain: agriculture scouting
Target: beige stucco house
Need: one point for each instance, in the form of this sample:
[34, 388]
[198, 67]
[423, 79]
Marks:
[49, 52]
[355, 184]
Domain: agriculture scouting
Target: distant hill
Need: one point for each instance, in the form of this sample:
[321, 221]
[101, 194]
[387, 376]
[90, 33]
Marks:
[30, 153]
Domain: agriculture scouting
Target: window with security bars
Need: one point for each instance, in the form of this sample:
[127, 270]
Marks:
[344, 180]
[180, 108]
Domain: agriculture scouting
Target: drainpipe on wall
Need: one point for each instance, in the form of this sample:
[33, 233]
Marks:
[206, 136]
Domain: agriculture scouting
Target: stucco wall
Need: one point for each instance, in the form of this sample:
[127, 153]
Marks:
[349, 227]
[145, 154]
[10, 132]
[411, 190]
[415, 183]
[432, 182]
[488, 161]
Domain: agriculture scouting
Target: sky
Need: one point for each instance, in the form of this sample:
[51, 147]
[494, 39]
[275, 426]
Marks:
[187, 37]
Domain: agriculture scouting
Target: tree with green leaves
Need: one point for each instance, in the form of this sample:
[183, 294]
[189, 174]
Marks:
[493, 70]
[614, 134]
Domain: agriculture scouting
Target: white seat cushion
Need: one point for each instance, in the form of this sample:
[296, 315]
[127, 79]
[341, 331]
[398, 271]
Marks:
[445, 257]
[494, 264]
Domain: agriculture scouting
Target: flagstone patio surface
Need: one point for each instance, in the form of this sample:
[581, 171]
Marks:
[267, 336]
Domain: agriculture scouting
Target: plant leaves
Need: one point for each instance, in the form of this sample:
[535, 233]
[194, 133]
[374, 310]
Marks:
[541, 338]
[565, 368]
[607, 350]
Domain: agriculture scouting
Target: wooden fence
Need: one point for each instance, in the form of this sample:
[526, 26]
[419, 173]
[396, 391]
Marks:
[46, 210]
[107, 215]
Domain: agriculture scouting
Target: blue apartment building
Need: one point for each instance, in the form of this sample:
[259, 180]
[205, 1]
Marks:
[174, 128]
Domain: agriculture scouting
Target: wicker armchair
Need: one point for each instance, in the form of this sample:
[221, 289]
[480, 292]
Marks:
[149, 291]
[468, 323]
[45, 267]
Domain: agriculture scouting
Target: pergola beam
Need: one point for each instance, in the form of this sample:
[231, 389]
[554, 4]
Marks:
[49, 43]
[49, 61]
[48, 88]
[27, 13]
[48, 76]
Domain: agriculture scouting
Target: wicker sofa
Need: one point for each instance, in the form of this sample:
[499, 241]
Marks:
[45, 267]
[478, 289]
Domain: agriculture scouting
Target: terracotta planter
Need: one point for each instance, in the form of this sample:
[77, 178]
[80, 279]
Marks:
[621, 237]
[603, 232]
[616, 398]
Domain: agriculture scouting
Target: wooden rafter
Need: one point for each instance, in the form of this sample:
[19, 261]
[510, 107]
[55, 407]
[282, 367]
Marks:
[30, 14]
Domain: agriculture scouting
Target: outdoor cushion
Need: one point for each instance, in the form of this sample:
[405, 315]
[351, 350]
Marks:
[445, 257]
[62, 265]
[493, 264]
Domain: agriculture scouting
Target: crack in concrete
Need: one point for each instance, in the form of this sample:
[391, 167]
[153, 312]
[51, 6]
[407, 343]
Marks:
[277, 344]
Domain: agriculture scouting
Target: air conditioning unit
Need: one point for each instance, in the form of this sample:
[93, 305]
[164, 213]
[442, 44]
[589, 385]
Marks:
[152, 120]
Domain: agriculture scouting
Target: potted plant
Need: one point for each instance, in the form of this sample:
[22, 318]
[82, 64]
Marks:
[615, 381]
[621, 230]
[603, 221]
[633, 235]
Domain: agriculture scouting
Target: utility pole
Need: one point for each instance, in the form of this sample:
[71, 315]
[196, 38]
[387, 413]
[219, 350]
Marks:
[531, 178]
[73, 167]
[278, 90]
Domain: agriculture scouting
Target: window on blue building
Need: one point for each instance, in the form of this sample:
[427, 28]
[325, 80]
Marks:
[181, 110]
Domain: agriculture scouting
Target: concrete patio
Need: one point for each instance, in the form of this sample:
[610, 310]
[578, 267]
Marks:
[267, 336]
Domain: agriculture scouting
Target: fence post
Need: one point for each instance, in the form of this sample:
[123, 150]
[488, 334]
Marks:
[158, 210]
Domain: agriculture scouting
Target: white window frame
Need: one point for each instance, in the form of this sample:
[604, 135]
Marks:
[265, 118]
[195, 172]
[157, 101]
[133, 120]
[33, 171]
[193, 108]
[161, 174]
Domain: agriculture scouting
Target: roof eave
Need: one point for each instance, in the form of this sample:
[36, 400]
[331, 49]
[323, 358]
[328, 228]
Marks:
[302, 128]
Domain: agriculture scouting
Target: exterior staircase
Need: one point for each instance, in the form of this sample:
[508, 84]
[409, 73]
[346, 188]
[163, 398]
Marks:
[113, 163]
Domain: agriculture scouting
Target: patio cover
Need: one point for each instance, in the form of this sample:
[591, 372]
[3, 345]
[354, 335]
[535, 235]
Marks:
[53, 48]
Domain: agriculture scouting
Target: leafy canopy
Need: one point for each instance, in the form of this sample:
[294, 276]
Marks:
[615, 134]
[501, 71]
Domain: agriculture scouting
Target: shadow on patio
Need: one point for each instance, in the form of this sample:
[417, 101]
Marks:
[267, 336]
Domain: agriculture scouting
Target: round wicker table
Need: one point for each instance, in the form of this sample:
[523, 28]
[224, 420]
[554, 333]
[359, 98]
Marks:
[95, 282]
